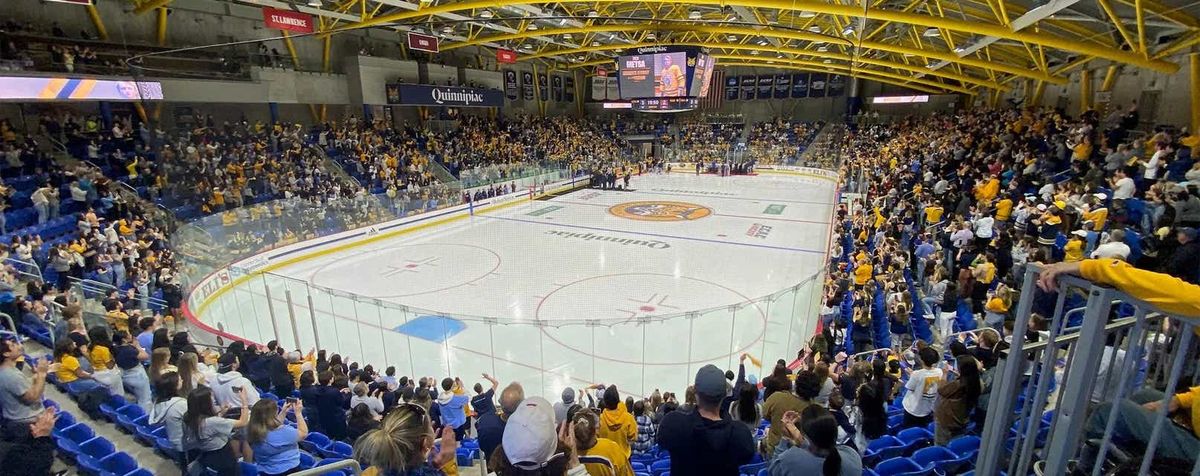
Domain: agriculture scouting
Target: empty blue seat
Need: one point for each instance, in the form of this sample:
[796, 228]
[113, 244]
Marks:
[657, 468]
[92, 451]
[307, 461]
[146, 434]
[64, 421]
[315, 443]
[117, 464]
[914, 438]
[338, 449]
[113, 405]
[964, 445]
[163, 446]
[129, 416]
[72, 437]
[899, 466]
[884, 447]
[751, 469]
[928, 458]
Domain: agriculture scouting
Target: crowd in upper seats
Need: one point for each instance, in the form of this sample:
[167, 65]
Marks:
[702, 141]
[778, 141]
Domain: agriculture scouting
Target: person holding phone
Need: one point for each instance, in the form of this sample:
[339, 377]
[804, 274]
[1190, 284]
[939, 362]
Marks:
[275, 446]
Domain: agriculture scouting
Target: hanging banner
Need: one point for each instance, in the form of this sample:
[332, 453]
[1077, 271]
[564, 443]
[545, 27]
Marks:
[556, 87]
[748, 85]
[542, 87]
[800, 85]
[783, 85]
[569, 89]
[506, 56]
[287, 20]
[613, 88]
[510, 84]
[527, 85]
[731, 88]
[599, 85]
[766, 84]
[419, 42]
[426, 95]
[816, 85]
[836, 86]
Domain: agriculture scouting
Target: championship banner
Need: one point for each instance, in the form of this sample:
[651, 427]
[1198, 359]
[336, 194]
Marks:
[569, 89]
[556, 87]
[800, 85]
[731, 88]
[543, 88]
[613, 88]
[426, 95]
[836, 86]
[816, 85]
[510, 84]
[527, 85]
[766, 84]
[748, 84]
[783, 85]
[599, 88]
[287, 20]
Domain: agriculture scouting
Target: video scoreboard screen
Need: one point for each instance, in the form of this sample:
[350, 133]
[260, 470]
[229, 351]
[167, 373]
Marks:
[661, 72]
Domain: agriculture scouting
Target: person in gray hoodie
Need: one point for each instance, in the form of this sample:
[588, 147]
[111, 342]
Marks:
[228, 383]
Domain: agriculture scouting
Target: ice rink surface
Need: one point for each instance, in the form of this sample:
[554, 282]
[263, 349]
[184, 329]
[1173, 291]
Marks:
[636, 288]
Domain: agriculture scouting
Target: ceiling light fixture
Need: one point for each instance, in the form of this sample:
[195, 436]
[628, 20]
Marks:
[593, 14]
[314, 3]
[486, 14]
[651, 36]
[808, 14]
[849, 31]
[753, 52]
[762, 42]
[595, 43]
[822, 49]
[566, 36]
[814, 29]
[694, 14]
[828, 61]
[732, 38]
[931, 33]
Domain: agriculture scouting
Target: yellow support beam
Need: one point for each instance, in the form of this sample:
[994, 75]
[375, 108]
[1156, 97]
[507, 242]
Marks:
[1140, 16]
[841, 58]
[150, 5]
[287, 41]
[965, 26]
[1194, 87]
[1169, 13]
[1038, 92]
[746, 33]
[1110, 78]
[1116, 21]
[1085, 90]
[94, 14]
[160, 27]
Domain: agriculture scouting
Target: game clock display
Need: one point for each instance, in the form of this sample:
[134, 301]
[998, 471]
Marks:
[665, 104]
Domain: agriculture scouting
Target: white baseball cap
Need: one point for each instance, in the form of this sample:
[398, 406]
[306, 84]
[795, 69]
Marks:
[1112, 249]
[530, 439]
[1079, 233]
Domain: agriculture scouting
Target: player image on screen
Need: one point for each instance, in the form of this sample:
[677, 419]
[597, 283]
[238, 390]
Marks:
[671, 81]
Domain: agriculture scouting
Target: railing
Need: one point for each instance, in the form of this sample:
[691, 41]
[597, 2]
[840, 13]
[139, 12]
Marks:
[1084, 379]
[29, 269]
[258, 304]
[340, 466]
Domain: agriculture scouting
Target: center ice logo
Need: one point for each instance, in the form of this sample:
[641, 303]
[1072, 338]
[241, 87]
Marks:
[660, 211]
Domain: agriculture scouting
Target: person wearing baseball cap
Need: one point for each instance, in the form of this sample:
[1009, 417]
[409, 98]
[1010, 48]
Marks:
[531, 446]
[700, 441]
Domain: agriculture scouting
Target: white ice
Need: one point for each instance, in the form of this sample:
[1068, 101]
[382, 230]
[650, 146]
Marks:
[523, 278]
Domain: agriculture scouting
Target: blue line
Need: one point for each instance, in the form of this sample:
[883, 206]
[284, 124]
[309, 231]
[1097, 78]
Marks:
[656, 235]
[655, 192]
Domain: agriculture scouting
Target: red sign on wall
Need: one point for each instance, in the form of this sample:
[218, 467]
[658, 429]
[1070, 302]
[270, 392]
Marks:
[506, 56]
[287, 20]
[419, 42]
[601, 72]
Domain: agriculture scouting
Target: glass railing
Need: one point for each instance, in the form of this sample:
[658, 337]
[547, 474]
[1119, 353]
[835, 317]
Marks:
[523, 175]
[236, 295]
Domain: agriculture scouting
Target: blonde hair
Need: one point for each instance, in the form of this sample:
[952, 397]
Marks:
[159, 360]
[264, 417]
[398, 443]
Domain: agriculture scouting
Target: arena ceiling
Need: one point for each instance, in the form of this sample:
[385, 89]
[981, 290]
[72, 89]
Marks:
[967, 46]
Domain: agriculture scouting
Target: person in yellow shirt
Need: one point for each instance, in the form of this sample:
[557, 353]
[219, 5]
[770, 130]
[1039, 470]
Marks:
[996, 310]
[69, 371]
[1095, 212]
[616, 424]
[986, 191]
[1168, 293]
[1073, 250]
[1004, 209]
[933, 214]
[601, 456]
[671, 80]
[862, 272]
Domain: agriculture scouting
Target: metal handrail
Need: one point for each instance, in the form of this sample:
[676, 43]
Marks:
[105, 288]
[31, 264]
[346, 464]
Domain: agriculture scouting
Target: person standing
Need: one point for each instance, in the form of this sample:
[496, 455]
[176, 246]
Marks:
[617, 424]
[922, 389]
[700, 441]
[20, 395]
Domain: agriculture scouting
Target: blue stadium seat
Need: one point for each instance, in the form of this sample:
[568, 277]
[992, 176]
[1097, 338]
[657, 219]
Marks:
[163, 446]
[964, 445]
[129, 416]
[315, 443]
[658, 468]
[146, 434]
[70, 439]
[914, 439]
[112, 406]
[307, 461]
[751, 469]
[898, 467]
[91, 452]
[331, 461]
[116, 464]
[338, 449]
[928, 458]
[884, 447]
[64, 421]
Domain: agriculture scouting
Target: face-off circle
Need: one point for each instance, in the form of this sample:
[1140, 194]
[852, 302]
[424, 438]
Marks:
[409, 270]
[657, 210]
[625, 301]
